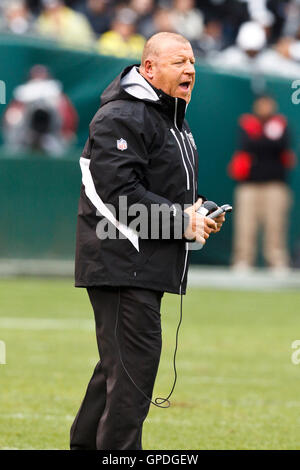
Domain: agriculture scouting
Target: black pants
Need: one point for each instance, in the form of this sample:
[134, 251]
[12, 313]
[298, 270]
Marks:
[128, 329]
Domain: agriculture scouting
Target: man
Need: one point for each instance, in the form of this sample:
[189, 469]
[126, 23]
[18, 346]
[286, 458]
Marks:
[47, 120]
[122, 40]
[250, 42]
[262, 197]
[140, 148]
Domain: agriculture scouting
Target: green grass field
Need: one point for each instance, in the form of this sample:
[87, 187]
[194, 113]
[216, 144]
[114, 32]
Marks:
[237, 387]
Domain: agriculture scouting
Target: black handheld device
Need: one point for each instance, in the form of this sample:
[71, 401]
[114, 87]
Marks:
[212, 210]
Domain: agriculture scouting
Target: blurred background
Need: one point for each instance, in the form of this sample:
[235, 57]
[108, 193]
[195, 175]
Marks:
[58, 56]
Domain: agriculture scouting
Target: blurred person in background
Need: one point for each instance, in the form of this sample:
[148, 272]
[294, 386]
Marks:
[251, 55]
[145, 10]
[122, 40]
[291, 18]
[211, 41]
[162, 21]
[262, 196]
[279, 9]
[99, 14]
[289, 44]
[16, 18]
[231, 13]
[282, 59]
[266, 19]
[34, 6]
[41, 117]
[61, 23]
[188, 20]
[251, 40]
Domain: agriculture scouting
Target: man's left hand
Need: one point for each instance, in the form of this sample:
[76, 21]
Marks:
[219, 221]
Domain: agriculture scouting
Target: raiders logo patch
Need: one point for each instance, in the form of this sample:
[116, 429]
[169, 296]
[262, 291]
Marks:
[191, 139]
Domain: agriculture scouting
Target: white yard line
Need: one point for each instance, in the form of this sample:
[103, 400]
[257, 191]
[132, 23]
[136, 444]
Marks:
[256, 279]
[36, 267]
[229, 380]
[12, 448]
[15, 323]
[219, 277]
[38, 416]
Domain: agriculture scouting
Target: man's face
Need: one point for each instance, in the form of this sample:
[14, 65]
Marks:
[173, 70]
[264, 108]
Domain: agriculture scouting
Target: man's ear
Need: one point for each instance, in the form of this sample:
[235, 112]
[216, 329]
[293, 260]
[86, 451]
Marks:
[148, 69]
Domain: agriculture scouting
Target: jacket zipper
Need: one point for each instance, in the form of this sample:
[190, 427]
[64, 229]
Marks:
[192, 151]
[187, 155]
[183, 160]
[175, 113]
[193, 155]
[187, 187]
[173, 132]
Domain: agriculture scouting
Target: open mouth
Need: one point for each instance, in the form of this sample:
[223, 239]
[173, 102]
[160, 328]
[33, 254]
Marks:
[185, 86]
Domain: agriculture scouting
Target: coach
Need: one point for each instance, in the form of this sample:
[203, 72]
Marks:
[140, 148]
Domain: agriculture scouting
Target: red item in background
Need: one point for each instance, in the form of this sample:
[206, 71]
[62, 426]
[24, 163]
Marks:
[252, 125]
[69, 117]
[288, 159]
[240, 165]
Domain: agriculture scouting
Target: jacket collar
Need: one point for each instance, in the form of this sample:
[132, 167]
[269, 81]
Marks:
[174, 108]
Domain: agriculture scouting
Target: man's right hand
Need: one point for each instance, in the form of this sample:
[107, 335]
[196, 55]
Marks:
[199, 227]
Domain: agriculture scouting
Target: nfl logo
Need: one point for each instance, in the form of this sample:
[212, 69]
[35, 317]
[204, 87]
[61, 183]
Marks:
[121, 144]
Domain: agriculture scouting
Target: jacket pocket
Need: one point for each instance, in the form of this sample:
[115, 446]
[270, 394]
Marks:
[147, 249]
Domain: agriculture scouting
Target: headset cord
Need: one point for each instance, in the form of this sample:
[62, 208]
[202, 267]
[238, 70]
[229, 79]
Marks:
[159, 402]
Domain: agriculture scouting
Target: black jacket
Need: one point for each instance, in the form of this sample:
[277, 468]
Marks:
[139, 146]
